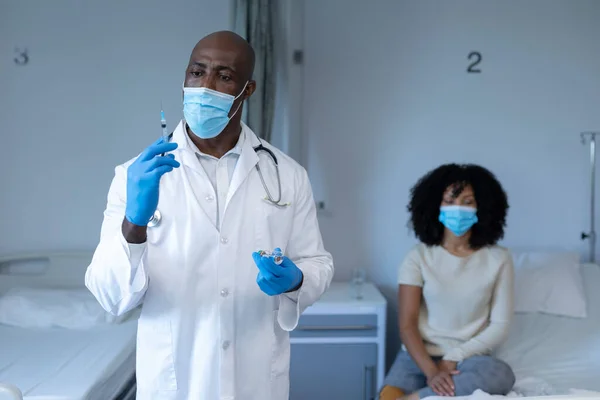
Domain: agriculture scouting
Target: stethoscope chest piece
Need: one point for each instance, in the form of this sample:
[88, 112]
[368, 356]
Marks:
[155, 220]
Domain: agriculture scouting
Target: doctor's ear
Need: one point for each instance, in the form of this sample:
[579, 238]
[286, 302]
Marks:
[250, 88]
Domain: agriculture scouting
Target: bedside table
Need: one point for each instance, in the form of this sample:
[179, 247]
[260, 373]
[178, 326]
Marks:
[338, 347]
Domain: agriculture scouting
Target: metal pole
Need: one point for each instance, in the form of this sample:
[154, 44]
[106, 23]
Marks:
[591, 235]
[592, 197]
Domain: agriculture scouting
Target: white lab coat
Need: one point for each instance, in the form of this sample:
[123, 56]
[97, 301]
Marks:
[206, 330]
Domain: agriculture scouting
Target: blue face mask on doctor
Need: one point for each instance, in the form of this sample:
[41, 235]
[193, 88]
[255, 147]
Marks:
[206, 111]
[458, 219]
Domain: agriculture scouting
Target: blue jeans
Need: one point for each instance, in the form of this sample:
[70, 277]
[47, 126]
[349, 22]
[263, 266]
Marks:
[487, 373]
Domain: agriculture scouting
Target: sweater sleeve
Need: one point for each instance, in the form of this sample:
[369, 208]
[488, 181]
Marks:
[410, 271]
[500, 317]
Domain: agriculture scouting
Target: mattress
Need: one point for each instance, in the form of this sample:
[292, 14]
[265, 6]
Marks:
[479, 395]
[61, 364]
[558, 353]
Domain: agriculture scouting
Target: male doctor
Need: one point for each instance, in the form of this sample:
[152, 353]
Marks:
[215, 314]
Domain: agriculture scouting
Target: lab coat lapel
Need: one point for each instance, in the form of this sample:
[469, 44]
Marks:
[186, 152]
[248, 159]
[196, 176]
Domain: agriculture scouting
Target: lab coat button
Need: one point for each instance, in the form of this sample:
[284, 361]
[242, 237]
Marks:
[209, 198]
[224, 292]
[224, 240]
[226, 345]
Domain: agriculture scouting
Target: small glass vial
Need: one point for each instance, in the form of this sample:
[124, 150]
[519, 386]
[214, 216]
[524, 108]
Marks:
[277, 255]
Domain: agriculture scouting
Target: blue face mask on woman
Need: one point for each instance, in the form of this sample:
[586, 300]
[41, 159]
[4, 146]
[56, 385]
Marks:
[458, 219]
[206, 111]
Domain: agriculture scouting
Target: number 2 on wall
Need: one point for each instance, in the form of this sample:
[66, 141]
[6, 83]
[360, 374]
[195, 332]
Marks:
[471, 68]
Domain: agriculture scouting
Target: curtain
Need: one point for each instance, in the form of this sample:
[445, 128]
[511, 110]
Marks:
[255, 21]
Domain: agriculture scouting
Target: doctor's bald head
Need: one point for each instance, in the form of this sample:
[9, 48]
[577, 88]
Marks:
[222, 61]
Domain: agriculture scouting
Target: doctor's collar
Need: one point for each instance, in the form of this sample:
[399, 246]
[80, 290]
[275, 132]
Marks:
[183, 139]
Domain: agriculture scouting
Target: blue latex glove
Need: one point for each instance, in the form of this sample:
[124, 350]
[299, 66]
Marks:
[143, 180]
[276, 279]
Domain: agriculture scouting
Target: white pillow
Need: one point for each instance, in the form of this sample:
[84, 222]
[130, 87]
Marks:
[46, 308]
[549, 283]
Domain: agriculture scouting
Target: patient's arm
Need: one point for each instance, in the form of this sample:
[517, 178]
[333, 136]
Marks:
[495, 333]
[409, 300]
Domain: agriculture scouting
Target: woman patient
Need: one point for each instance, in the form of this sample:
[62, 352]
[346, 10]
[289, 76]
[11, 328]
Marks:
[455, 295]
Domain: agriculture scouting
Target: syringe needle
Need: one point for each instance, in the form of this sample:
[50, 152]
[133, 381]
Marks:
[163, 125]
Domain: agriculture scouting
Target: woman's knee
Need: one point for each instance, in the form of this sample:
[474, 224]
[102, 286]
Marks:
[488, 374]
[502, 379]
[405, 375]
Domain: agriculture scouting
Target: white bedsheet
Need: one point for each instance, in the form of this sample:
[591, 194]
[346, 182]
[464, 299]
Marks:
[564, 352]
[61, 364]
[479, 395]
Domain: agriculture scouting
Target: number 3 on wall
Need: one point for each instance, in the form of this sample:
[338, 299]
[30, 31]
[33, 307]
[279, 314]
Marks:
[477, 56]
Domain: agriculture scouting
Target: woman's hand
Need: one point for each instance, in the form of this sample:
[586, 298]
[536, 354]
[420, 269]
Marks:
[448, 366]
[441, 382]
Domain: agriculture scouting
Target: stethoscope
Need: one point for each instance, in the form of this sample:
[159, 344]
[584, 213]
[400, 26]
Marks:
[270, 198]
[156, 218]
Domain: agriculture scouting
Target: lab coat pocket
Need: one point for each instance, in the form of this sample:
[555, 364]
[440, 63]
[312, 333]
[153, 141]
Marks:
[156, 364]
[280, 356]
[273, 225]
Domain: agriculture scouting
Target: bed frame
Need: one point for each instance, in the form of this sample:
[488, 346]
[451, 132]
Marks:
[57, 270]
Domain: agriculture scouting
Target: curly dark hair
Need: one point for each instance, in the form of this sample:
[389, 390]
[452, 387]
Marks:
[426, 198]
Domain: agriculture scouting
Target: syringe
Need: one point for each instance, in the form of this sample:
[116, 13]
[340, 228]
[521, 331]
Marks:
[163, 124]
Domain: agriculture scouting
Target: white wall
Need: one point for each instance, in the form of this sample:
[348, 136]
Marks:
[88, 99]
[387, 98]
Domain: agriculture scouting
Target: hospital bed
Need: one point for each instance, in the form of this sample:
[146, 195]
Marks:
[563, 352]
[55, 343]
[555, 357]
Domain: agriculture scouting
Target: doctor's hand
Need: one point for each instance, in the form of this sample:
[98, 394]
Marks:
[143, 179]
[276, 279]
